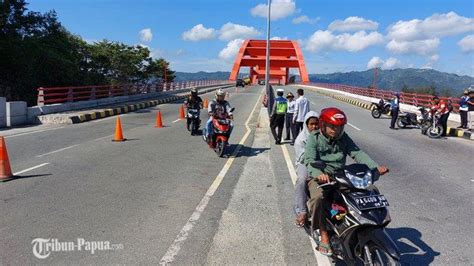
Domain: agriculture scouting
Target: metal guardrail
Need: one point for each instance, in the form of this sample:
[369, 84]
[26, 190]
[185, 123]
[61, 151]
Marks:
[86, 93]
[416, 99]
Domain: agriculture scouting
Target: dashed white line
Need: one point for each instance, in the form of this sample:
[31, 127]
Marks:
[32, 132]
[63, 149]
[29, 169]
[353, 126]
[174, 249]
[176, 120]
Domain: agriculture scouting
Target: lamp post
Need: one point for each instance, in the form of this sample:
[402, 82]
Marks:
[267, 61]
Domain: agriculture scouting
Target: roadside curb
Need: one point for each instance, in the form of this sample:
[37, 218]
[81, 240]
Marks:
[451, 132]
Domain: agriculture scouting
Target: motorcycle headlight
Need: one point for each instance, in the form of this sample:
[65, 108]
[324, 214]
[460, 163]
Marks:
[358, 182]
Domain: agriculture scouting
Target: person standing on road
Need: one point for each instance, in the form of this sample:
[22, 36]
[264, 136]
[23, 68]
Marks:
[290, 112]
[464, 109]
[441, 108]
[277, 117]
[471, 110]
[394, 107]
[301, 109]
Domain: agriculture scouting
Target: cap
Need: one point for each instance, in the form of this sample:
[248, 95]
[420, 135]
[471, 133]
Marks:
[290, 95]
[280, 90]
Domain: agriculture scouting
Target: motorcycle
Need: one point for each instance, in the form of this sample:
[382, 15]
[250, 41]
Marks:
[412, 119]
[357, 215]
[432, 127]
[219, 139]
[193, 121]
[380, 108]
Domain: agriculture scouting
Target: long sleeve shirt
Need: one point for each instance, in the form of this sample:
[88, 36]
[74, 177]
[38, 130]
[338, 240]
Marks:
[301, 108]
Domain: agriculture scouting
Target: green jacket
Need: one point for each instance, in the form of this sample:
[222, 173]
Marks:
[333, 153]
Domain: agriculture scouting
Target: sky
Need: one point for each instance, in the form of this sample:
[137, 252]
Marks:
[335, 35]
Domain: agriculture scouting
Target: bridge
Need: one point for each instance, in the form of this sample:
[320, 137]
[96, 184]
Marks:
[162, 196]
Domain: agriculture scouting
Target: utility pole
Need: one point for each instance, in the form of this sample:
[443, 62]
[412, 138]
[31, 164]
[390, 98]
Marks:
[267, 61]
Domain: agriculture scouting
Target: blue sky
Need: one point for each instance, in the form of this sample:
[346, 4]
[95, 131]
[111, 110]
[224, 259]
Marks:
[336, 35]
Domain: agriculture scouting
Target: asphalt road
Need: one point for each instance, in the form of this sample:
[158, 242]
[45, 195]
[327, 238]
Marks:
[163, 196]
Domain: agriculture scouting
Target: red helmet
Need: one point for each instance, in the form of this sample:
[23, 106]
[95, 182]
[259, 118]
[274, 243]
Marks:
[332, 116]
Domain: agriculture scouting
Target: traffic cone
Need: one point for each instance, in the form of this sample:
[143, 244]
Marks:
[181, 112]
[118, 131]
[159, 124]
[206, 103]
[5, 169]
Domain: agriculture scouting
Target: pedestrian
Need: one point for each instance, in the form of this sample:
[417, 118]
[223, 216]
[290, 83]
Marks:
[290, 112]
[277, 117]
[471, 110]
[394, 107]
[441, 108]
[464, 109]
[301, 109]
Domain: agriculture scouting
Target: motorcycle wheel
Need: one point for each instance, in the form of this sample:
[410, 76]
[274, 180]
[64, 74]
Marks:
[434, 132]
[379, 257]
[376, 113]
[400, 123]
[220, 147]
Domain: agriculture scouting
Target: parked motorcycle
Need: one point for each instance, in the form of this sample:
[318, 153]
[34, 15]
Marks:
[357, 215]
[219, 139]
[432, 127]
[193, 121]
[380, 108]
[412, 119]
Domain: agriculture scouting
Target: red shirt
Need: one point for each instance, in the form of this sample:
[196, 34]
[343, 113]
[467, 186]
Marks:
[440, 108]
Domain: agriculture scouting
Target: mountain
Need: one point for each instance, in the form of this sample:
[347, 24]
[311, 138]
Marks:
[394, 79]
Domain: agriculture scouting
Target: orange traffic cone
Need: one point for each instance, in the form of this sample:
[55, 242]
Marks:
[159, 124]
[5, 169]
[181, 112]
[206, 103]
[118, 131]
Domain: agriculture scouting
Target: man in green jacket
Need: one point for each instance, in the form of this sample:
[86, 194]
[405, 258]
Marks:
[331, 145]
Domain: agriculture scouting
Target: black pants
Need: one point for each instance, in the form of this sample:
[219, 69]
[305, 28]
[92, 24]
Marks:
[444, 123]
[463, 118]
[298, 128]
[394, 114]
[278, 121]
[290, 127]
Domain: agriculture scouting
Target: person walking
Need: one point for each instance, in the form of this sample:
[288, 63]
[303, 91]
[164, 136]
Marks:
[301, 109]
[290, 112]
[394, 107]
[277, 117]
[464, 109]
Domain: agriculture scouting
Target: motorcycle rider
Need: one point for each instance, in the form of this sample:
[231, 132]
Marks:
[394, 107]
[331, 145]
[221, 108]
[439, 107]
[193, 101]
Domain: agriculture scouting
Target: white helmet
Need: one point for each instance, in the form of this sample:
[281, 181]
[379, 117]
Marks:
[220, 92]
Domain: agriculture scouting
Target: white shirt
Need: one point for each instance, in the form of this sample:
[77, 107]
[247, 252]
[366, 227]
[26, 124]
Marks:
[301, 108]
[291, 107]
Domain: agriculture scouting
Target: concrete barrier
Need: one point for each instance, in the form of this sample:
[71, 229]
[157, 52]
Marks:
[16, 113]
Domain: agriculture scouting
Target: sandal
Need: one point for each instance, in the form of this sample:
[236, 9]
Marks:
[324, 249]
[300, 224]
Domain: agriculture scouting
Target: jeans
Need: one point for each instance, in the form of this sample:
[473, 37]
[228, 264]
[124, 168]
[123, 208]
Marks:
[290, 127]
[301, 189]
[298, 128]
[394, 114]
[210, 128]
[463, 115]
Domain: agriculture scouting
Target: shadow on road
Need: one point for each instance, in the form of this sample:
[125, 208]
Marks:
[24, 176]
[247, 151]
[412, 248]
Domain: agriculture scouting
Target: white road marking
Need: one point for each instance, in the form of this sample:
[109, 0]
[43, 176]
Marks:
[174, 249]
[63, 149]
[176, 120]
[321, 259]
[353, 126]
[32, 132]
[109, 136]
[31, 168]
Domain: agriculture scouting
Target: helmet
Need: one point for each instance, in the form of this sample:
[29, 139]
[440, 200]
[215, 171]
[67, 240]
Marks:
[332, 116]
[194, 90]
[397, 94]
[220, 92]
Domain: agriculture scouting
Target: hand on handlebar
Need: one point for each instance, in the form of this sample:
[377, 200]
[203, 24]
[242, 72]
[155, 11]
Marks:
[322, 178]
[383, 170]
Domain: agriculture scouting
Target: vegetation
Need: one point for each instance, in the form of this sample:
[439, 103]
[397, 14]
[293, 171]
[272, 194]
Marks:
[37, 51]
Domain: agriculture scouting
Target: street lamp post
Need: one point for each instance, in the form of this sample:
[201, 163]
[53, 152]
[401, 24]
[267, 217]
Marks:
[267, 60]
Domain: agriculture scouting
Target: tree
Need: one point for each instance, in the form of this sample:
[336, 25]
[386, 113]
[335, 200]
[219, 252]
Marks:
[156, 70]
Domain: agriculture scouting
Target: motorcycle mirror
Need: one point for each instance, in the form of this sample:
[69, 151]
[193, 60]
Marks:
[232, 109]
[318, 164]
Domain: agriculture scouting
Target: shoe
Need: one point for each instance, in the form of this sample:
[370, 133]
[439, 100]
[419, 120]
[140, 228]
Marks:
[278, 142]
[287, 138]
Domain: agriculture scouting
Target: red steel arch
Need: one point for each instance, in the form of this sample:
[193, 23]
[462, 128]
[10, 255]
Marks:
[284, 54]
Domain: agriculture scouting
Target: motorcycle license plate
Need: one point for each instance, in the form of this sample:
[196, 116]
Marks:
[371, 202]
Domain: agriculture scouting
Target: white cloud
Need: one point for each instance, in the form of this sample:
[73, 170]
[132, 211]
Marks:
[435, 26]
[467, 44]
[390, 63]
[353, 24]
[278, 38]
[434, 58]
[198, 33]
[304, 19]
[231, 31]
[231, 50]
[280, 9]
[326, 40]
[422, 47]
[145, 35]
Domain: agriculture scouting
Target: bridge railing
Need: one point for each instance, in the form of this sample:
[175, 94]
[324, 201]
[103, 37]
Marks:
[55, 95]
[416, 99]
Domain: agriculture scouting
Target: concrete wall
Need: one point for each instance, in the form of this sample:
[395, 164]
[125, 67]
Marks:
[16, 113]
[3, 112]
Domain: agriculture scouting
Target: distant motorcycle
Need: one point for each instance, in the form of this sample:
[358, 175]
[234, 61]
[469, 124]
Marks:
[357, 214]
[380, 108]
[193, 121]
[219, 139]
